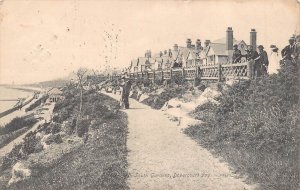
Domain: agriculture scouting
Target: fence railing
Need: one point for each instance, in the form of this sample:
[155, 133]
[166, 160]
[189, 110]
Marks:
[209, 72]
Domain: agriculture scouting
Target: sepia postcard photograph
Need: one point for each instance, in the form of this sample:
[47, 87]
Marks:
[149, 94]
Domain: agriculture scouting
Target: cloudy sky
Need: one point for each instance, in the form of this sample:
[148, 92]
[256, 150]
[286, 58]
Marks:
[48, 39]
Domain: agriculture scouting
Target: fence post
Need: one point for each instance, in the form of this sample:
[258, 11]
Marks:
[162, 75]
[219, 72]
[249, 69]
[153, 75]
[171, 73]
[183, 73]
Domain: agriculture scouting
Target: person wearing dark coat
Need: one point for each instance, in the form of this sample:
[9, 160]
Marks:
[251, 53]
[288, 51]
[125, 93]
[261, 62]
[237, 55]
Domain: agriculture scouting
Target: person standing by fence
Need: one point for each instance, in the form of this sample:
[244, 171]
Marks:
[237, 55]
[261, 62]
[287, 53]
[274, 60]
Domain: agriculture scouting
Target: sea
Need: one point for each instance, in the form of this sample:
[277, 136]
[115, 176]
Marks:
[10, 93]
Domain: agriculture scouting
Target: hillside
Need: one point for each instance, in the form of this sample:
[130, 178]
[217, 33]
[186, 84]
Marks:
[255, 128]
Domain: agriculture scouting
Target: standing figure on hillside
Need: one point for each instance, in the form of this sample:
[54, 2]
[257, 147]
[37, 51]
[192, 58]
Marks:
[122, 85]
[288, 53]
[125, 92]
[237, 55]
[251, 53]
[274, 60]
[263, 61]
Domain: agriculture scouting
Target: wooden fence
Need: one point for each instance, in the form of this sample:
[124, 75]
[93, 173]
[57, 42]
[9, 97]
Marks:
[219, 72]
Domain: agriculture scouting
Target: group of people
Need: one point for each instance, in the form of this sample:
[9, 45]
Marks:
[264, 64]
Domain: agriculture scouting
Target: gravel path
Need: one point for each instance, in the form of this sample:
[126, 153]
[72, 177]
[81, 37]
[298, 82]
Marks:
[161, 157]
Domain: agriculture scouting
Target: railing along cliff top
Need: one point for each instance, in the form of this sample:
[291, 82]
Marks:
[204, 72]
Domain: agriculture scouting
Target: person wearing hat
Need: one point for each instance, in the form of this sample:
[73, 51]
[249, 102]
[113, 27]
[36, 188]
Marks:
[274, 64]
[126, 86]
[237, 55]
[289, 50]
[251, 53]
[261, 62]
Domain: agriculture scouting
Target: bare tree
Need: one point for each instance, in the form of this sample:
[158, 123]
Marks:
[81, 77]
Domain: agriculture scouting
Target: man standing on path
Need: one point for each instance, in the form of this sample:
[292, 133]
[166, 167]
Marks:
[125, 92]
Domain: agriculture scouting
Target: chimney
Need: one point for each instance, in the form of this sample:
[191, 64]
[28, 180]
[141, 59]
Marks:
[253, 38]
[165, 52]
[149, 53]
[207, 42]
[160, 53]
[188, 43]
[170, 53]
[198, 44]
[229, 39]
[175, 47]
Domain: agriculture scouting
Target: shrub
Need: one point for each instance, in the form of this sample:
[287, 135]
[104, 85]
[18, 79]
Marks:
[53, 128]
[37, 103]
[83, 127]
[157, 101]
[256, 128]
[18, 123]
[56, 138]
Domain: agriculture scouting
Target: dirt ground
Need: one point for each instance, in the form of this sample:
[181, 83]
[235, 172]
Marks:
[162, 157]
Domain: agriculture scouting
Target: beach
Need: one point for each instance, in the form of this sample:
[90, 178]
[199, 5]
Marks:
[13, 93]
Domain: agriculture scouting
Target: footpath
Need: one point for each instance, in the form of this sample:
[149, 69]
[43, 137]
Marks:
[162, 157]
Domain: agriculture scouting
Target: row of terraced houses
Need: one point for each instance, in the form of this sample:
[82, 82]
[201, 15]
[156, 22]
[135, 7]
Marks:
[191, 55]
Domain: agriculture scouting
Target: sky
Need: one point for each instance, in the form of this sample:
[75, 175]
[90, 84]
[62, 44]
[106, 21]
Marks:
[48, 39]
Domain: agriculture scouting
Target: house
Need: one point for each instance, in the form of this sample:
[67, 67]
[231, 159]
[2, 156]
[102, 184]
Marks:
[54, 94]
[133, 66]
[220, 51]
[187, 56]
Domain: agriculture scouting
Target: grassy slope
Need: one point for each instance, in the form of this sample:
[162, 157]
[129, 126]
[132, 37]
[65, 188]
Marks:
[15, 128]
[99, 164]
[256, 129]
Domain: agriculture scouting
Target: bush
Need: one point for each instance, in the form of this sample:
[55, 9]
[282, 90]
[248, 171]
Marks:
[83, 127]
[53, 128]
[256, 129]
[56, 138]
[157, 101]
[37, 103]
[18, 123]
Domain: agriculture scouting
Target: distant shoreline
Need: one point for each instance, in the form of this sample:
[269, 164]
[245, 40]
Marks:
[24, 88]
[29, 99]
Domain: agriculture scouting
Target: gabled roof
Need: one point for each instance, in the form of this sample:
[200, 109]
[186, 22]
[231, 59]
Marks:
[218, 48]
[166, 59]
[151, 60]
[54, 91]
[223, 41]
[159, 59]
[134, 63]
[142, 60]
[184, 51]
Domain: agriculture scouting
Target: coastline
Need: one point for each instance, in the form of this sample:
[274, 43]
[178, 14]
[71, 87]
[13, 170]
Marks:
[25, 88]
[7, 115]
